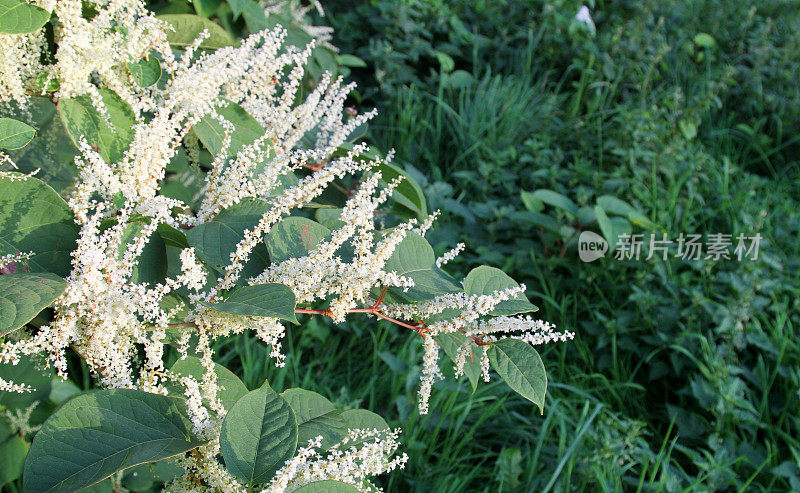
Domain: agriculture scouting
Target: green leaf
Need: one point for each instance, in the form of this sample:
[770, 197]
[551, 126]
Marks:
[238, 6]
[81, 119]
[188, 27]
[61, 390]
[557, 200]
[231, 388]
[20, 17]
[611, 228]
[704, 40]
[294, 237]
[151, 266]
[211, 132]
[408, 193]
[521, 367]
[450, 342]
[14, 134]
[486, 280]
[361, 419]
[146, 71]
[31, 371]
[258, 435]
[53, 156]
[215, 240]
[255, 17]
[327, 486]
[613, 205]
[414, 258]
[99, 433]
[12, 458]
[260, 300]
[206, 8]
[139, 478]
[34, 218]
[350, 61]
[22, 296]
[316, 416]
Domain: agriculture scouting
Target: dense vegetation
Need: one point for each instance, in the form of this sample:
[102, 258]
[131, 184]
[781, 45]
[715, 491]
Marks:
[683, 374]
[680, 117]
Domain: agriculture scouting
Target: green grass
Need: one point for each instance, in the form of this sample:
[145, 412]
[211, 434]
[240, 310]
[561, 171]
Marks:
[683, 375]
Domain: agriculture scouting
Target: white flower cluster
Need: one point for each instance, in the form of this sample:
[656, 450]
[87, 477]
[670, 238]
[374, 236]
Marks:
[89, 51]
[119, 324]
[6, 386]
[466, 315]
[353, 465]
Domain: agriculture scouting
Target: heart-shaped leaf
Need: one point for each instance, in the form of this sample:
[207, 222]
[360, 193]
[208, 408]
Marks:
[316, 416]
[260, 300]
[19, 17]
[34, 218]
[258, 435]
[521, 367]
[485, 280]
[22, 296]
[96, 434]
[14, 134]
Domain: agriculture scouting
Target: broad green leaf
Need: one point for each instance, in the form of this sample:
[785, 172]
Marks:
[22, 296]
[521, 367]
[215, 240]
[12, 458]
[408, 193]
[260, 300]
[258, 435]
[414, 258]
[530, 201]
[14, 134]
[19, 17]
[81, 119]
[146, 71]
[350, 61]
[206, 8]
[540, 220]
[361, 419]
[485, 280]
[188, 27]
[231, 388]
[61, 390]
[557, 200]
[139, 478]
[211, 132]
[612, 228]
[316, 416]
[329, 217]
[31, 371]
[96, 434]
[327, 486]
[613, 205]
[151, 265]
[451, 342]
[704, 40]
[254, 16]
[34, 218]
[294, 237]
[238, 6]
[53, 155]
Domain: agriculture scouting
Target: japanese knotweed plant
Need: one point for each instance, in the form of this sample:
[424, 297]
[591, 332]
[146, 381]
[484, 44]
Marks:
[211, 189]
